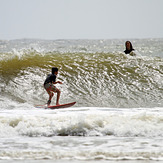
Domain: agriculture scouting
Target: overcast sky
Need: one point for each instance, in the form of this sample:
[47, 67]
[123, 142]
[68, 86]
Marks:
[81, 19]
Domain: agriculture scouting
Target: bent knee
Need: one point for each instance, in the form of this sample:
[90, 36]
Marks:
[51, 94]
[58, 91]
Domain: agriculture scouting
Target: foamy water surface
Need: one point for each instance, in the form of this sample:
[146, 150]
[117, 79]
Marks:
[119, 111]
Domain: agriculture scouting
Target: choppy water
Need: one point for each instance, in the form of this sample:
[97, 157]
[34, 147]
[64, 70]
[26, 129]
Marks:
[119, 109]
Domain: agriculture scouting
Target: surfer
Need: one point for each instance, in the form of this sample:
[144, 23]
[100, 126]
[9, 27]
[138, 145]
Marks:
[49, 85]
[129, 48]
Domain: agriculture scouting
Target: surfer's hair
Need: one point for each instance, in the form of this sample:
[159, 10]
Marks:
[54, 69]
[131, 47]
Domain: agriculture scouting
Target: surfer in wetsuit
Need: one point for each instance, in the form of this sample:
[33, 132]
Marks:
[129, 48]
[49, 85]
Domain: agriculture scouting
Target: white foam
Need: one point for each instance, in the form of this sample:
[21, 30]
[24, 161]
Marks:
[83, 122]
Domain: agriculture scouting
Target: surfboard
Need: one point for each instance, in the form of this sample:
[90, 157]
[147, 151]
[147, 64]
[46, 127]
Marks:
[56, 106]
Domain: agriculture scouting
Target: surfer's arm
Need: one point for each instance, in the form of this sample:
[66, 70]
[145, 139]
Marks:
[132, 53]
[57, 82]
[135, 53]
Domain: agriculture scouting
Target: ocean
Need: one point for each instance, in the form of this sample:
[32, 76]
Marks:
[118, 115]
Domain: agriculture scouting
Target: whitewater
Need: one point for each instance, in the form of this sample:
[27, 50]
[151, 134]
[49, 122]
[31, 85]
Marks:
[119, 111]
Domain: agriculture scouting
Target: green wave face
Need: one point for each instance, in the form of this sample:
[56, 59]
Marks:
[91, 79]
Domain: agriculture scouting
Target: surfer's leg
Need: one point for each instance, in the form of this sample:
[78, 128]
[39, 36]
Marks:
[51, 94]
[58, 96]
[49, 90]
[56, 90]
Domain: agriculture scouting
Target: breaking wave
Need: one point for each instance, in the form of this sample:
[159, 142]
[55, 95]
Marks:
[91, 79]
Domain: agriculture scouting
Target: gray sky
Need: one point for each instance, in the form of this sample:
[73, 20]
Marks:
[81, 19]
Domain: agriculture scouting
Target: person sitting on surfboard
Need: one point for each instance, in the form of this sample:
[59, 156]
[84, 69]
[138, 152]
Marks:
[49, 85]
[129, 48]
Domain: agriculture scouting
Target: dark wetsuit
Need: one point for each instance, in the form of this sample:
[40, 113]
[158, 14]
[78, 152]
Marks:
[128, 51]
[50, 79]
[48, 84]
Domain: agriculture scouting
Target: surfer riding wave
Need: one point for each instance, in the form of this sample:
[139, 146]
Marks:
[49, 85]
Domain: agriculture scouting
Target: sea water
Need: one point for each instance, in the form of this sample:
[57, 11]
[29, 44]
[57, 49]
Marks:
[119, 111]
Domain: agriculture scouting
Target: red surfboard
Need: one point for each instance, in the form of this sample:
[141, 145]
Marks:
[56, 106]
